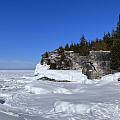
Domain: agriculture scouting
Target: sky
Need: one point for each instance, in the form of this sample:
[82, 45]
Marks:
[28, 28]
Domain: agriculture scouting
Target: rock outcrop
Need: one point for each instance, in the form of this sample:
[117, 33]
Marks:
[98, 64]
[95, 65]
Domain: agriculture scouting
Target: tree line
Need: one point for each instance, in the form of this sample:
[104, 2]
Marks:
[85, 46]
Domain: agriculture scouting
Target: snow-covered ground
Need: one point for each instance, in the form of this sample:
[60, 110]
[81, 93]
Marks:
[29, 99]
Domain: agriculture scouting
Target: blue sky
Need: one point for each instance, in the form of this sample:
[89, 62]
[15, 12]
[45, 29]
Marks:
[28, 28]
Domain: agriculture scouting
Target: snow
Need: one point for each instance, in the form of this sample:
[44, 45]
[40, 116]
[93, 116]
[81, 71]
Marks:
[45, 89]
[42, 71]
[60, 75]
[71, 108]
[36, 90]
[100, 51]
[27, 98]
[111, 78]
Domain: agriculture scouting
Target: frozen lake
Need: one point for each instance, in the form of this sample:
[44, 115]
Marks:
[29, 99]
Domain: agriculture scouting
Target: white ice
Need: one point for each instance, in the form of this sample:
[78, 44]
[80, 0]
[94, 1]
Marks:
[60, 75]
[27, 98]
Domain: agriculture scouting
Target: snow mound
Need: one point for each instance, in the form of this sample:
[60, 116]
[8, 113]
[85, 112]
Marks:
[99, 111]
[44, 89]
[36, 90]
[62, 91]
[103, 111]
[69, 108]
[43, 71]
[111, 78]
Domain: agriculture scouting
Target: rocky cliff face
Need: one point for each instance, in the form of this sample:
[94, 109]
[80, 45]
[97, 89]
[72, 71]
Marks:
[95, 65]
[98, 64]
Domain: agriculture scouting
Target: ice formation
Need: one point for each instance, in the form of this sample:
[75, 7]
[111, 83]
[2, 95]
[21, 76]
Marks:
[42, 71]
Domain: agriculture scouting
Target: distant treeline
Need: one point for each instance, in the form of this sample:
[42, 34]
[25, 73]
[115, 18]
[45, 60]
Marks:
[110, 42]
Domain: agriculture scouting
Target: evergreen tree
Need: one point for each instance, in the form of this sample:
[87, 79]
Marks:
[45, 55]
[97, 40]
[71, 47]
[107, 39]
[42, 61]
[115, 56]
[118, 30]
[76, 48]
[115, 51]
[82, 41]
[60, 49]
[113, 33]
[92, 45]
[87, 49]
[67, 47]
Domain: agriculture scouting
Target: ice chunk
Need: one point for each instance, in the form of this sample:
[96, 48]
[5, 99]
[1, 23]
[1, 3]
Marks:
[69, 108]
[36, 90]
[62, 91]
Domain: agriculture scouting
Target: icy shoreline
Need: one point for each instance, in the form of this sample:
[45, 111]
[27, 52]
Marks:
[43, 71]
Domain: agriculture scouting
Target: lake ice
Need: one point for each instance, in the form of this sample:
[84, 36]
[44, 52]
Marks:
[29, 99]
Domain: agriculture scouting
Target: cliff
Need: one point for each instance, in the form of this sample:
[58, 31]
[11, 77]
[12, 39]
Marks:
[95, 65]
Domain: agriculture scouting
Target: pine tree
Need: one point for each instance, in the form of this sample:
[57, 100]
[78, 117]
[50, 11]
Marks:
[82, 41]
[107, 39]
[115, 51]
[71, 47]
[67, 47]
[42, 61]
[115, 56]
[76, 48]
[60, 49]
[92, 45]
[45, 55]
[97, 40]
[118, 30]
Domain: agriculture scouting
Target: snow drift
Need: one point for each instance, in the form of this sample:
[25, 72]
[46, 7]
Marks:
[69, 108]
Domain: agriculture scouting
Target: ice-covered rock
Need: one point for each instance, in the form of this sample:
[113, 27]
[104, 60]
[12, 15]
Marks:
[43, 71]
